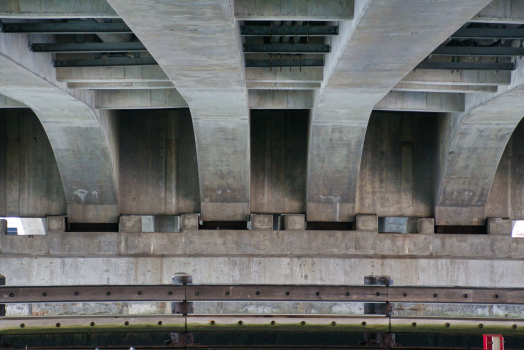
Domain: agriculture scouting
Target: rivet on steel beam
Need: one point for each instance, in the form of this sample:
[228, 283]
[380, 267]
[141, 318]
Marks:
[170, 293]
[126, 323]
[378, 294]
[364, 323]
[11, 295]
[414, 324]
[496, 296]
[514, 326]
[22, 325]
[196, 293]
[159, 323]
[347, 294]
[257, 293]
[139, 293]
[333, 323]
[303, 323]
[404, 294]
[481, 325]
[317, 294]
[272, 323]
[58, 324]
[287, 293]
[76, 293]
[465, 295]
[108, 293]
[227, 293]
[212, 323]
[435, 295]
[92, 324]
[44, 294]
[239, 323]
[447, 325]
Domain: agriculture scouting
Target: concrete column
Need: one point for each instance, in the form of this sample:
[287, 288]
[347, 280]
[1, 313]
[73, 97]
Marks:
[363, 67]
[83, 140]
[207, 69]
[471, 145]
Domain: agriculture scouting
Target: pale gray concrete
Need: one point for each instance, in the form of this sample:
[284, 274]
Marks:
[129, 74]
[261, 222]
[364, 65]
[502, 11]
[122, 86]
[464, 77]
[285, 76]
[421, 102]
[294, 222]
[210, 76]
[56, 9]
[6, 102]
[282, 86]
[277, 99]
[464, 89]
[83, 141]
[471, 145]
[288, 10]
[139, 99]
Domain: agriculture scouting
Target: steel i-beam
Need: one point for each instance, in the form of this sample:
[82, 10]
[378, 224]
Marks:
[73, 27]
[288, 30]
[88, 47]
[287, 48]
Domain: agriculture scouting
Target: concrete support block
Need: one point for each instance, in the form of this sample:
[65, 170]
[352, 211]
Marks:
[167, 223]
[190, 221]
[137, 223]
[498, 226]
[261, 222]
[56, 224]
[294, 222]
[367, 223]
[426, 226]
[3, 227]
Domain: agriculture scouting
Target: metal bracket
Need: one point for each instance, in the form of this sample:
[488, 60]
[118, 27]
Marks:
[378, 339]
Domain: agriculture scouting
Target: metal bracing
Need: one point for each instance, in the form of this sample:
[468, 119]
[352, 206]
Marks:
[71, 27]
[278, 62]
[288, 30]
[489, 33]
[496, 66]
[107, 62]
[287, 48]
[88, 47]
[319, 293]
[478, 51]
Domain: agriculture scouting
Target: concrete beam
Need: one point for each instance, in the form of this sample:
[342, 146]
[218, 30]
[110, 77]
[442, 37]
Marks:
[274, 99]
[501, 11]
[464, 89]
[139, 99]
[312, 10]
[362, 68]
[421, 102]
[129, 74]
[289, 76]
[282, 86]
[122, 86]
[333, 257]
[464, 77]
[83, 141]
[212, 82]
[56, 9]
[470, 148]
[6, 102]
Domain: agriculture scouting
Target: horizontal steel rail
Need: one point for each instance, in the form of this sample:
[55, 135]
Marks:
[74, 27]
[107, 62]
[287, 48]
[478, 51]
[289, 30]
[277, 62]
[496, 66]
[270, 322]
[489, 33]
[312, 293]
[88, 47]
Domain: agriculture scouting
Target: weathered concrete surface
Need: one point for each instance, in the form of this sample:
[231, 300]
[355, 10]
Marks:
[282, 86]
[286, 99]
[192, 243]
[371, 55]
[444, 88]
[83, 141]
[212, 82]
[421, 102]
[464, 77]
[311, 10]
[502, 11]
[56, 9]
[139, 99]
[30, 183]
[122, 86]
[130, 74]
[471, 145]
[6, 102]
[286, 76]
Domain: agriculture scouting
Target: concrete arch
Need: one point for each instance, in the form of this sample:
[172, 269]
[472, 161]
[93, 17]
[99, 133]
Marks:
[82, 139]
[471, 145]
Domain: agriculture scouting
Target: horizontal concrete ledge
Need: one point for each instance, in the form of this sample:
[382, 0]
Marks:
[311, 10]
[501, 11]
[422, 102]
[122, 86]
[129, 74]
[279, 244]
[139, 99]
[7, 102]
[243, 322]
[275, 99]
[445, 88]
[464, 77]
[56, 9]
